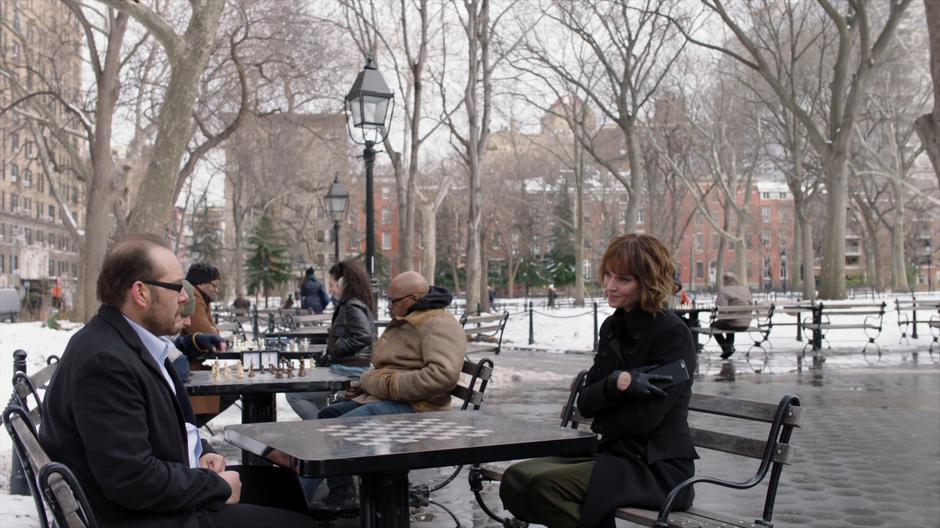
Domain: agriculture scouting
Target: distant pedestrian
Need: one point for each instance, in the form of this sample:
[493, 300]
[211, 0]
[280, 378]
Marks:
[312, 293]
[289, 303]
[57, 295]
[241, 303]
[731, 294]
[552, 295]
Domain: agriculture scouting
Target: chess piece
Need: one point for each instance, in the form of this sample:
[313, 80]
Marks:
[276, 371]
[215, 370]
[226, 373]
[290, 368]
[239, 370]
[251, 369]
[302, 372]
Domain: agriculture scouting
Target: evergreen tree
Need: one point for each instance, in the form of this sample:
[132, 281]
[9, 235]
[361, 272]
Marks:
[268, 264]
[560, 259]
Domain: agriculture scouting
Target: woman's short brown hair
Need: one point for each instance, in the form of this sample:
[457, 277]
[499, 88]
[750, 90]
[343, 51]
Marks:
[127, 261]
[647, 260]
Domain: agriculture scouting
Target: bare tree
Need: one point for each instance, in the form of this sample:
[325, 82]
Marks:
[829, 124]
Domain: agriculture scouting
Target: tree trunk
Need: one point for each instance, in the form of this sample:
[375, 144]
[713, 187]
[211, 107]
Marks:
[898, 261]
[796, 272]
[928, 125]
[156, 198]
[808, 260]
[833, 271]
[429, 232]
[579, 225]
[636, 178]
[102, 188]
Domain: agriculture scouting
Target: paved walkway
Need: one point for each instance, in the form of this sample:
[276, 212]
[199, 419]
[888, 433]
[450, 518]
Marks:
[869, 453]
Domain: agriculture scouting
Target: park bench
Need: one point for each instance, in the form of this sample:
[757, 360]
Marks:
[907, 315]
[721, 413]
[51, 484]
[484, 332]
[865, 316]
[26, 389]
[799, 310]
[761, 316]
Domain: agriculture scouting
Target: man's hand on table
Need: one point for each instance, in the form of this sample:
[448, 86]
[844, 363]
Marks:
[213, 461]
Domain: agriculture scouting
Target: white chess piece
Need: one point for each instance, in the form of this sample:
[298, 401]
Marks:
[239, 370]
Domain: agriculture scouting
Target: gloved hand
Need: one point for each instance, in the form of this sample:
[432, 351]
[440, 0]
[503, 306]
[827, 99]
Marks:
[642, 385]
[196, 345]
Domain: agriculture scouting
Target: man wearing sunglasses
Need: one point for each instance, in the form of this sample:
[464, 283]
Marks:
[117, 414]
[416, 363]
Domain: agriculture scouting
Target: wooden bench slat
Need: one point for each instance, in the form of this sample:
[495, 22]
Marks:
[469, 367]
[480, 347]
[474, 397]
[482, 329]
[745, 409]
[738, 445]
[688, 519]
[40, 380]
[474, 319]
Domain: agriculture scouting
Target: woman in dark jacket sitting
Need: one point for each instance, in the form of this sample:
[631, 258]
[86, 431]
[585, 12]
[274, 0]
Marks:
[352, 332]
[645, 448]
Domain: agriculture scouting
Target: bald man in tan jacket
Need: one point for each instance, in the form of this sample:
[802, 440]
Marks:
[417, 361]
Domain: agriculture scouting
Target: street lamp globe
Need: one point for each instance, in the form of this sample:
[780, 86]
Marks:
[337, 203]
[367, 105]
[337, 200]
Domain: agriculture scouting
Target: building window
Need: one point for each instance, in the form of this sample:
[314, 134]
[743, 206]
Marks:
[765, 195]
[52, 212]
[386, 241]
[14, 263]
[14, 142]
[51, 268]
[29, 236]
[748, 241]
[699, 270]
[699, 242]
[765, 238]
[14, 172]
[27, 178]
[767, 268]
[765, 214]
[14, 202]
[386, 193]
[386, 215]
[3, 259]
[641, 215]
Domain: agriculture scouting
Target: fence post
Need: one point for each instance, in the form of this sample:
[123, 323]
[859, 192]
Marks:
[18, 484]
[478, 308]
[254, 324]
[595, 326]
[531, 326]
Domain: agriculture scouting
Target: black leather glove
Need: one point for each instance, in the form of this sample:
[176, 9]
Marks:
[197, 345]
[642, 385]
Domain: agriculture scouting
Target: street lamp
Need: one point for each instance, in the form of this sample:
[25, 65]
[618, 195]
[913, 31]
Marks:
[337, 202]
[367, 111]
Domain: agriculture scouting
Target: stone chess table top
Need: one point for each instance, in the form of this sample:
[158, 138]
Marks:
[402, 442]
[317, 379]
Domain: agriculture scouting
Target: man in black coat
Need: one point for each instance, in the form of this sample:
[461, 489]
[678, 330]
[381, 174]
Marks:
[312, 294]
[117, 414]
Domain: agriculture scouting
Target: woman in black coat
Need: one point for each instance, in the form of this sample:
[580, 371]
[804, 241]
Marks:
[352, 332]
[645, 448]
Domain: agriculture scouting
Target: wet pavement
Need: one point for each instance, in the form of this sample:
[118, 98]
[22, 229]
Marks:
[868, 452]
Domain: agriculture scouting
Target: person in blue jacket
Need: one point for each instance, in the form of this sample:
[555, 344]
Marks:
[312, 293]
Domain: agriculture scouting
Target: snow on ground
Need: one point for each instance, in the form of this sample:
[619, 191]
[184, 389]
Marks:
[563, 330]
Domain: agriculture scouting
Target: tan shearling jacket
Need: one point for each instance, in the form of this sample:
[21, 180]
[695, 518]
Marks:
[417, 360]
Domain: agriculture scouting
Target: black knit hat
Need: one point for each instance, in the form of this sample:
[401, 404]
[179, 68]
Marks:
[201, 273]
[310, 271]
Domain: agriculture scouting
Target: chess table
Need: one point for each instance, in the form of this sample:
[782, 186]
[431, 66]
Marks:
[383, 449]
[258, 393]
[314, 334]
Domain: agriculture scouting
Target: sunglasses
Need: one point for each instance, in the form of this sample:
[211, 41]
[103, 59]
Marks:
[392, 301]
[175, 286]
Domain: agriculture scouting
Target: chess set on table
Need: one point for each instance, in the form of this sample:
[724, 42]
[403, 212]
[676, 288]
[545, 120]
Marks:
[284, 368]
[378, 433]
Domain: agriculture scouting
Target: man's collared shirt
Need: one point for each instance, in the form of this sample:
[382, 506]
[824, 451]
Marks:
[159, 348]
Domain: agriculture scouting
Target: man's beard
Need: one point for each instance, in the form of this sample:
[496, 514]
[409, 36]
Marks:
[163, 327]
